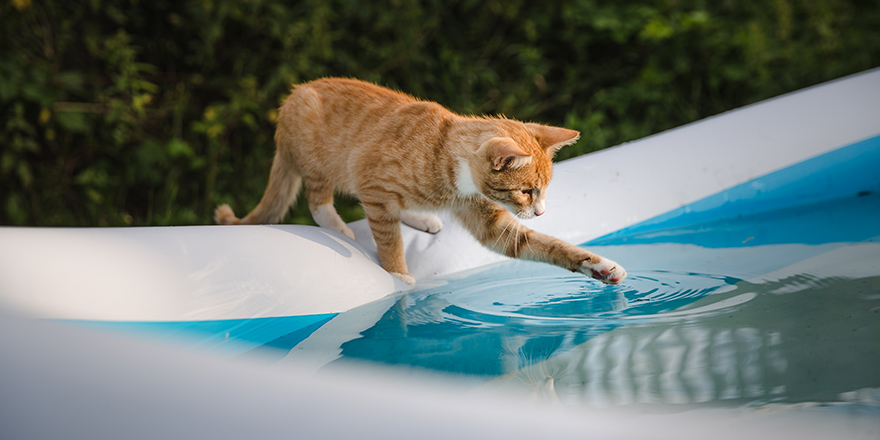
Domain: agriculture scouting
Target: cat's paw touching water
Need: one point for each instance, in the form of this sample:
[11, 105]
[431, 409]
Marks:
[605, 270]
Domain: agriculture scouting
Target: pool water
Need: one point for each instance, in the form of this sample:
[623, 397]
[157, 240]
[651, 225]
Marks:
[748, 316]
[516, 314]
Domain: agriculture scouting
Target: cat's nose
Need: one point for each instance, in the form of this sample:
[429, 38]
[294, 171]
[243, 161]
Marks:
[538, 211]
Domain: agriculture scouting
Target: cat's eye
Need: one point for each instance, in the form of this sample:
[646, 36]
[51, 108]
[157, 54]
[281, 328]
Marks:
[528, 192]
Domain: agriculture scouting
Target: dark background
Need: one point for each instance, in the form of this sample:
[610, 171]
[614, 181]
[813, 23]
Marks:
[152, 112]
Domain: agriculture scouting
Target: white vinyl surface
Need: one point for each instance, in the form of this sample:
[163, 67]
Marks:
[185, 273]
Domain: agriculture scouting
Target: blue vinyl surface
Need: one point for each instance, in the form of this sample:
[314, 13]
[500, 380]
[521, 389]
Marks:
[230, 337]
[849, 175]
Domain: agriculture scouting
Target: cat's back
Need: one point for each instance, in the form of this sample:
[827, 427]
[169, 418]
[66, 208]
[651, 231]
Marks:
[338, 113]
[347, 98]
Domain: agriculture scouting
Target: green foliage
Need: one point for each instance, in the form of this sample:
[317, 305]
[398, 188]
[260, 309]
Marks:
[127, 112]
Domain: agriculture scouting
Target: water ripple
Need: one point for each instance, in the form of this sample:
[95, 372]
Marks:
[501, 319]
[536, 299]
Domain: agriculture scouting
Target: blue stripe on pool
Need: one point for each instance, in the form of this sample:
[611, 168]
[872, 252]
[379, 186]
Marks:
[228, 337]
[849, 175]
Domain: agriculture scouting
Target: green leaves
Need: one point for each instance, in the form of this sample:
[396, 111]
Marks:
[150, 113]
[73, 122]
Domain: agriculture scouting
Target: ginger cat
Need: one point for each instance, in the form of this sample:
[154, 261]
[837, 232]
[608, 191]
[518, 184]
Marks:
[402, 157]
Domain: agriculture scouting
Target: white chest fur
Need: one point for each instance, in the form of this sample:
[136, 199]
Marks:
[464, 182]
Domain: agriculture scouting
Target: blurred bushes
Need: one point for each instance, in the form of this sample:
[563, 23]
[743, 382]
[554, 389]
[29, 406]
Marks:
[151, 112]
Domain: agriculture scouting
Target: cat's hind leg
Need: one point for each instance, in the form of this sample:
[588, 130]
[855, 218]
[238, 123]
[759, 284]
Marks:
[321, 205]
[422, 221]
[325, 216]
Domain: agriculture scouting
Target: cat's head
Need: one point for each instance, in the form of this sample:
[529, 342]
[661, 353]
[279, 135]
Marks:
[515, 169]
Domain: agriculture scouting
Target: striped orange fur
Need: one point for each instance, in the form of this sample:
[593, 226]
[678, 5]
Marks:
[404, 157]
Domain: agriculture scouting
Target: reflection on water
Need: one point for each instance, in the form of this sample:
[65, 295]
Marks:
[819, 345]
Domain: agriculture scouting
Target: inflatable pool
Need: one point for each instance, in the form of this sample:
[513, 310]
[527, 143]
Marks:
[751, 239]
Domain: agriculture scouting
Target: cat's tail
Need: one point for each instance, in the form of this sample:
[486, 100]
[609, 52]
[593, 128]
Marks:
[224, 215]
[280, 194]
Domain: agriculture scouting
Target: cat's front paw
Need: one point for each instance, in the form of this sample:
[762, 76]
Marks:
[405, 277]
[605, 270]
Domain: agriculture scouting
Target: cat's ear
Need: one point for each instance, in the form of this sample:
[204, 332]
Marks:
[503, 152]
[552, 139]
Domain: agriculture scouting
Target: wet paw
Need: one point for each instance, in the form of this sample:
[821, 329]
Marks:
[605, 270]
[422, 221]
[405, 277]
